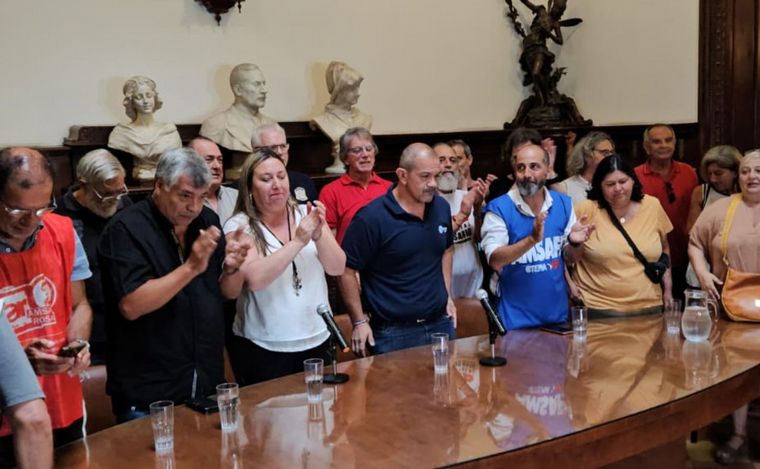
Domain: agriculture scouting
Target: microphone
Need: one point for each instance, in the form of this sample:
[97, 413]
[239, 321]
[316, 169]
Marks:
[324, 311]
[493, 318]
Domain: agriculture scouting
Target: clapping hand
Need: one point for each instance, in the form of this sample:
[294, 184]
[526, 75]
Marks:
[238, 245]
[580, 231]
[311, 225]
[538, 227]
[202, 249]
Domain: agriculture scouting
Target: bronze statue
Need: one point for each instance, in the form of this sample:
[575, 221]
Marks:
[546, 107]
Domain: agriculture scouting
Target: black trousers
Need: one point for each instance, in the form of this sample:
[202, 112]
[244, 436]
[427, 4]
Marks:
[253, 364]
[61, 436]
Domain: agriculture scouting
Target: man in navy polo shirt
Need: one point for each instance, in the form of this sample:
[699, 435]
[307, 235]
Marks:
[400, 245]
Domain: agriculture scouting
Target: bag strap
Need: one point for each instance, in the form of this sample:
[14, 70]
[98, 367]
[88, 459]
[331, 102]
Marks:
[732, 206]
[636, 253]
[705, 194]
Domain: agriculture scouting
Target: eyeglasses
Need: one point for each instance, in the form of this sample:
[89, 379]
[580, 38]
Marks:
[279, 148]
[23, 212]
[107, 198]
[671, 194]
[357, 150]
[605, 153]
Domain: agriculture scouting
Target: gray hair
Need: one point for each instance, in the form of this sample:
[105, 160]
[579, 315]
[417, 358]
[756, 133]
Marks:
[99, 166]
[751, 154]
[583, 151]
[129, 89]
[465, 148]
[654, 126]
[256, 136]
[180, 162]
[345, 140]
[725, 156]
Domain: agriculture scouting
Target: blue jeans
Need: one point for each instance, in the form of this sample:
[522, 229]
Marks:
[390, 336]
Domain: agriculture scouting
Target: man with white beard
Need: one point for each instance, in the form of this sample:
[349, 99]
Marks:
[466, 271]
[98, 195]
[528, 234]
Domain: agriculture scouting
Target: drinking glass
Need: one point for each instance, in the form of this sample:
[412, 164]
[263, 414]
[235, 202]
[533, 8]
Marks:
[228, 398]
[440, 347]
[314, 371]
[162, 420]
[579, 316]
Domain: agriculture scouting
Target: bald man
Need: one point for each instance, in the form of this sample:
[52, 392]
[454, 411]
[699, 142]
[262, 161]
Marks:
[42, 271]
[400, 246]
[221, 199]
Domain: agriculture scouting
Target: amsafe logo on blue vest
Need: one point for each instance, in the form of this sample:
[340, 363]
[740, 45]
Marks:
[544, 256]
[442, 229]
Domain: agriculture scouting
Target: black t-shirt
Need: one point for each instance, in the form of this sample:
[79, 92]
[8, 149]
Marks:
[88, 227]
[169, 352]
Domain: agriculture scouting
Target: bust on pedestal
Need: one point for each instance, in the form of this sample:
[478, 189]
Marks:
[233, 128]
[340, 114]
[143, 138]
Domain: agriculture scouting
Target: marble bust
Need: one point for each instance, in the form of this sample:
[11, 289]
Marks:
[143, 137]
[340, 114]
[233, 127]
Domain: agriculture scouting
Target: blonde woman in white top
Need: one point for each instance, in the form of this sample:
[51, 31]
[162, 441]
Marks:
[282, 281]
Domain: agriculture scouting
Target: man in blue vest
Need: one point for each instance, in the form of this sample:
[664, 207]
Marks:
[527, 235]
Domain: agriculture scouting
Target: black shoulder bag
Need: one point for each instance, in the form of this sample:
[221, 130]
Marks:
[653, 270]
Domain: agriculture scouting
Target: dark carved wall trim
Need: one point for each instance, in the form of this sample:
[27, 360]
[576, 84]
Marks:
[729, 82]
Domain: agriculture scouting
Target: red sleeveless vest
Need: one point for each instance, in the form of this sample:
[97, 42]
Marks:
[36, 287]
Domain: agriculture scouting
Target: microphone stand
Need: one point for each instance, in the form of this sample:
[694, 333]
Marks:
[332, 353]
[493, 360]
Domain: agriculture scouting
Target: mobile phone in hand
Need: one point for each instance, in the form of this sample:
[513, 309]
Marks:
[69, 351]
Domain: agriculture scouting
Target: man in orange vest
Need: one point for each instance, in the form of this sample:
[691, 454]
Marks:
[42, 271]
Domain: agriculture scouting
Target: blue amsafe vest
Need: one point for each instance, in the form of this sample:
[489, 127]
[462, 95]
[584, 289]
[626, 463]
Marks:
[532, 289]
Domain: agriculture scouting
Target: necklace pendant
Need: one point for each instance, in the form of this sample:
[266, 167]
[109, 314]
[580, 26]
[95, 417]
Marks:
[297, 285]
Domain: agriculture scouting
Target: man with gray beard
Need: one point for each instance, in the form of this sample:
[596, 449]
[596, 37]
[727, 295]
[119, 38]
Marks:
[100, 192]
[528, 234]
[466, 271]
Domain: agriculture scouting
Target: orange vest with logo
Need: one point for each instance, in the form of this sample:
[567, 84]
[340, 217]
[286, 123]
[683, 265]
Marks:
[35, 286]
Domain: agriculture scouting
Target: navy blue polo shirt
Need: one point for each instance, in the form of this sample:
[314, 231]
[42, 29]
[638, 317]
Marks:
[399, 257]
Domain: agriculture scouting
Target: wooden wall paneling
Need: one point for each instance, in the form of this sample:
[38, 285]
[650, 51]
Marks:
[743, 86]
[715, 72]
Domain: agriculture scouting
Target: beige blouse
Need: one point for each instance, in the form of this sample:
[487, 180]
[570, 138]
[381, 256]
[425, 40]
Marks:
[743, 239]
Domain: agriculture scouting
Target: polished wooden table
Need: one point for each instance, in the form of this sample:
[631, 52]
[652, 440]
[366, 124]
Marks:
[628, 389]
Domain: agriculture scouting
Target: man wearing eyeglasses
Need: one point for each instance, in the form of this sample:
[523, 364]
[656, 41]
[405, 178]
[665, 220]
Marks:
[672, 183]
[99, 194]
[356, 188]
[272, 137]
[42, 271]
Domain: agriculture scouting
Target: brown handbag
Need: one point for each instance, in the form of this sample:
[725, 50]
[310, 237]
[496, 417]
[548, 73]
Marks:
[741, 290]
